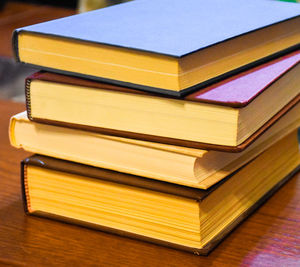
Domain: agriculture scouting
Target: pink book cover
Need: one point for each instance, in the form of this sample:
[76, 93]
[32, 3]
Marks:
[239, 90]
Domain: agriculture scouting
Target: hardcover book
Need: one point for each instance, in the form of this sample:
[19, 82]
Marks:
[175, 164]
[227, 116]
[177, 216]
[168, 46]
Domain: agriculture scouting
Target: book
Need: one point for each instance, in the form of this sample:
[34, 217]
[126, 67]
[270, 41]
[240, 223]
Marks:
[177, 216]
[190, 167]
[172, 47]
[228, 115]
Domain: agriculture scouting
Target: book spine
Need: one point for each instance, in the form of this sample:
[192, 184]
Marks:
[24, 187]
[28, 98]
[15, 45]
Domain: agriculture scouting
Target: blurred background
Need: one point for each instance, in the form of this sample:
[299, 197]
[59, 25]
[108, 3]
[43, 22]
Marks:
[15, 14]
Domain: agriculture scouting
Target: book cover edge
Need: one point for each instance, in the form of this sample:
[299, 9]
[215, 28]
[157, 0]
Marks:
[117, 177]
[161, 91]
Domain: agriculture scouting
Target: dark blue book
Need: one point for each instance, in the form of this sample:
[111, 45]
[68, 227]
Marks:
[167, 46]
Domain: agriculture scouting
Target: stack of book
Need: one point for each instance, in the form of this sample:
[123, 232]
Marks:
[168, 121]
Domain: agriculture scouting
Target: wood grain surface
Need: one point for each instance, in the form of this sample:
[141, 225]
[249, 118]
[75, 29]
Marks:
[270, 237]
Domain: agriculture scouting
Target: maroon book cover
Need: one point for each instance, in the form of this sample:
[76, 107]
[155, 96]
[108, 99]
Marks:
[237, 91]
[240, 90]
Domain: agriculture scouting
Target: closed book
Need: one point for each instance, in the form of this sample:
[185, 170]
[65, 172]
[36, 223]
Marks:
[227, 116]
[167, 46]
[163, 213]
[175, 164]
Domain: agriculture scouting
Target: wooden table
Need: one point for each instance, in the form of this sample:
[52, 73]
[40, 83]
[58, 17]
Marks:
[270, 237]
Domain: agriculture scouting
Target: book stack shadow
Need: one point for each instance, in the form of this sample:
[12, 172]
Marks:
[158, 121]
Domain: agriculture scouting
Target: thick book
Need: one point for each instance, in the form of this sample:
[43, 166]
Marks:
[175, 164]
[227, 116]
[167, 46]
[171, 215]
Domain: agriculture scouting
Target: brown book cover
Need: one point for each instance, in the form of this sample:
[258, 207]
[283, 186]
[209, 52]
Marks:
[139, 182]
[237, 91]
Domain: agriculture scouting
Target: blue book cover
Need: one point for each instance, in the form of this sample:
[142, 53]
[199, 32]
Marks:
[174, 28]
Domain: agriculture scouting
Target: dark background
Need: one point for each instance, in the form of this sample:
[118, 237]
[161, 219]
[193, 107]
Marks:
[63, 3]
